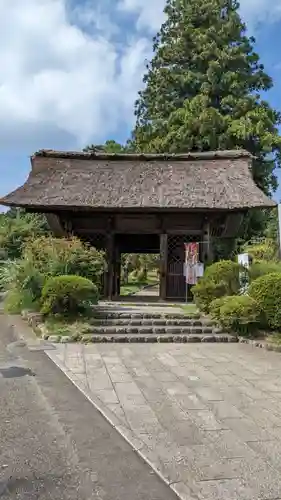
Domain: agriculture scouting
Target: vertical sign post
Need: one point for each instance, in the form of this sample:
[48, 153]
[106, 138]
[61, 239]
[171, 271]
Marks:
[279, 228]
[244, 261]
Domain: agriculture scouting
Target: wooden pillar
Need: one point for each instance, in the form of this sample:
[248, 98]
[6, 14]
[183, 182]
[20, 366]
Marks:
[207, 249]
[163, 265]
[57, 226]
[109, 276]
[117, 270]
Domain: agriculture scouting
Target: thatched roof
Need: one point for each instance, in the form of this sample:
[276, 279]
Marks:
[215, 180]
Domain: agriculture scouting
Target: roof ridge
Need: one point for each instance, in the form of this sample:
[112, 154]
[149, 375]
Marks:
[196, 155]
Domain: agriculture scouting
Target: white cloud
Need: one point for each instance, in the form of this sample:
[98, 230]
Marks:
[260, 11]
[61, 82]
[150, 12]
[56, 77]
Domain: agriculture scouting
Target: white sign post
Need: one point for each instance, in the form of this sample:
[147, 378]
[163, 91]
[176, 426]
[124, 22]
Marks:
[279, 228]
[244, 261]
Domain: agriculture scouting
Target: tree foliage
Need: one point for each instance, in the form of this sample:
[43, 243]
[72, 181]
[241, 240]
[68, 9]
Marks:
[16, 226]
[109, 146]
[203, 88]
[271, 230]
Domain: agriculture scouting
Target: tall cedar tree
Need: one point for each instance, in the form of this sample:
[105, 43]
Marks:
[203, 89]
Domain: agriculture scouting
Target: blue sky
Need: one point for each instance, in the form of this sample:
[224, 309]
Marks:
[71, 69]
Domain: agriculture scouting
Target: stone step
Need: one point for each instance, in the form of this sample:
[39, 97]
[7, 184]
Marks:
[99, 314]
[152, 338]
[141, 338]
[149, 330]
[150, 322]
[130, 302]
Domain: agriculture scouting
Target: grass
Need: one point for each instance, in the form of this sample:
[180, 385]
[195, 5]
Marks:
[17, 300]
[189, 308]
[67, 326]
[274, 338]
[134, 285]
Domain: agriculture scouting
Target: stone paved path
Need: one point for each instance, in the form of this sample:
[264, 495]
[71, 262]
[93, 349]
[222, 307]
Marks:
[149, 291]
[207, 417]
[133, 306]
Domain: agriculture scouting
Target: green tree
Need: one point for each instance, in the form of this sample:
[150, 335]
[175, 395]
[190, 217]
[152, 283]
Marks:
[271, 230]
[203, 89]
[109, 146]
[17, 226]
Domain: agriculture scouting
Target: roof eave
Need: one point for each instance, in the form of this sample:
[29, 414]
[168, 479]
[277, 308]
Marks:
[192, 156]
[34, 206]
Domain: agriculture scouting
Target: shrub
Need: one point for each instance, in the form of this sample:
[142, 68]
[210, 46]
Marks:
[240, 314]
[23, 284]
[142, 275]
[266, 290]
[226, 271]
[205, 291]
[263, 251]
[16, 228]
[45, 257]
[68, 295]
[220, 278]
[260, 268]
[215, 307]
[63, 256]
[15, 301]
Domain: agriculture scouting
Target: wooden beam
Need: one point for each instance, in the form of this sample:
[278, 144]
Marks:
[185, 232]
[136, 230]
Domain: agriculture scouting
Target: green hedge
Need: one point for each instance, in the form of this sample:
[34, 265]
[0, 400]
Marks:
[215, 307]
[220, 279]
[205, 291]
[68, 295]
[266, 290]
[240, 314]
[262, 267]
[226, 271]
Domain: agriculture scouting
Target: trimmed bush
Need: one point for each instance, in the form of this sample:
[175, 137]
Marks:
[262, 267]
[68, 295]
[240, 314]
[205, 291]
[215, 307]
[220, 278]
[226, 271]
[266, 290]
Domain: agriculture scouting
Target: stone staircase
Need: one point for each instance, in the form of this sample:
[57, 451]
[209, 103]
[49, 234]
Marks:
[151, 324]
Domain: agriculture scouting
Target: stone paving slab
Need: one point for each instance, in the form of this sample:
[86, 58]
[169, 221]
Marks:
[205, 417]
[139, 307]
